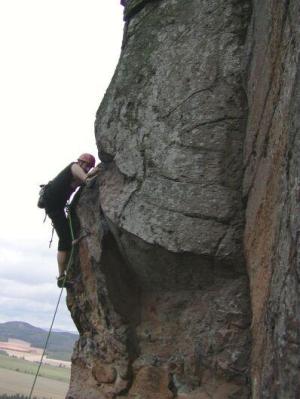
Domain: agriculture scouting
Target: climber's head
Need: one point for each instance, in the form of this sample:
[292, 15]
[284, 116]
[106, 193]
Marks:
[86, 161]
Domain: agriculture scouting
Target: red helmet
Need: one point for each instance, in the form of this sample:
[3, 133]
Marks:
[88, 158]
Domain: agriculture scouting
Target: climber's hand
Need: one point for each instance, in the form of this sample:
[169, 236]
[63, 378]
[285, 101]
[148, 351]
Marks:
[94, 171]
[90, 181]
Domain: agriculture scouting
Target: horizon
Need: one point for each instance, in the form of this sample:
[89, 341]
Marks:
[73, 332]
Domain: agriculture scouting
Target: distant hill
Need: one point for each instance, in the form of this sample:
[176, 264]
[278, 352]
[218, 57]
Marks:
[60, 345]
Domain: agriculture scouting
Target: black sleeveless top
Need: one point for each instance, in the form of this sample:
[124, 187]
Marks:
[59, 189]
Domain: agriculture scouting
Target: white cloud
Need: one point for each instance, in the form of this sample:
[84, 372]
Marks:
[34, 304]
[28, 262]
[57, 59]
[43, 293]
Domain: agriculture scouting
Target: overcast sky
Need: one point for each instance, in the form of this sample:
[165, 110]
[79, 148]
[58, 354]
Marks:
[57, 59]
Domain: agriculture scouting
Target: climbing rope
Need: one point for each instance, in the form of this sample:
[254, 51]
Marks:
[57, 305]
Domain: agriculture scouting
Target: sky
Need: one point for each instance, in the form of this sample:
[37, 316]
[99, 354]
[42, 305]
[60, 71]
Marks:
[57, 60]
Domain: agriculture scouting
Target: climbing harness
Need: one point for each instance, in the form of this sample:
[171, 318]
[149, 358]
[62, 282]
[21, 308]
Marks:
[59, 298]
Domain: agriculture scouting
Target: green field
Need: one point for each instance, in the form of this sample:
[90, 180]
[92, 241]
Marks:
[23, 366]
[17, 375]
[60, 345]
[13, 382]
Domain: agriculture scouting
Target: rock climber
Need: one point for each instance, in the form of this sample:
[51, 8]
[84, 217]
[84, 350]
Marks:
[57, 193]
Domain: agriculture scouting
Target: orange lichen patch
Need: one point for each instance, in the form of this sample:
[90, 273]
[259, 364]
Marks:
[104, 373]
[151, 383]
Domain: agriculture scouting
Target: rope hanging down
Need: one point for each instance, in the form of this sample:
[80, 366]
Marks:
[56, 309]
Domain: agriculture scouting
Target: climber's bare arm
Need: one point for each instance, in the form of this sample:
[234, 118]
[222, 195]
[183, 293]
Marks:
[94, 171]
[78, 173]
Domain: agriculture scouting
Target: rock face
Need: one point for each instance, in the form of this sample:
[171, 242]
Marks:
[197, 138]
[271, 160]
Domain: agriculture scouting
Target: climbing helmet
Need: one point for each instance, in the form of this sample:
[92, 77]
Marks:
[88, 158]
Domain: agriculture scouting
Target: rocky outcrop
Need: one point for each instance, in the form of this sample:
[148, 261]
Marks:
[162, 300]
[271, 178]
[197, 138]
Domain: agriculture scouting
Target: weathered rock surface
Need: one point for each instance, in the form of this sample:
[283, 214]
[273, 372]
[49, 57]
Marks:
[271, 179]
[162, 301]
[198, 123]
